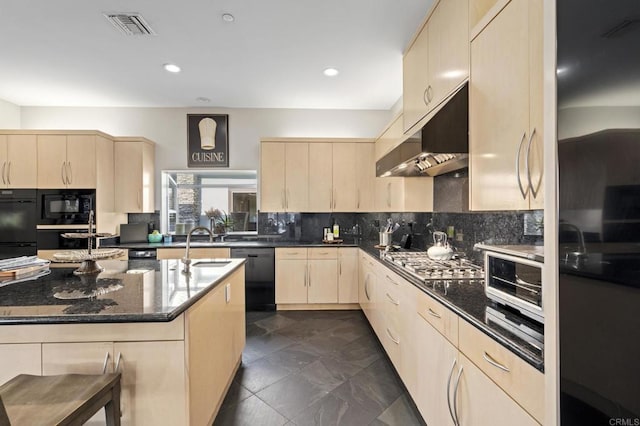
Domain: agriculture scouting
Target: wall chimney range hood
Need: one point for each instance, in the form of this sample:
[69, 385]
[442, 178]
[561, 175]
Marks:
[440, 147]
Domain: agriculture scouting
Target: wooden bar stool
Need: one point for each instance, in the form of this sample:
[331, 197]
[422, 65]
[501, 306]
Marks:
[66, 399]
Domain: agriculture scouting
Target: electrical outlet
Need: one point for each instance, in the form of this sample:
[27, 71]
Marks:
[534, 223]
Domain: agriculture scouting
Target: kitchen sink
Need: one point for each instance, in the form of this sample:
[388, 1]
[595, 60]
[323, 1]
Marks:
[210, 263]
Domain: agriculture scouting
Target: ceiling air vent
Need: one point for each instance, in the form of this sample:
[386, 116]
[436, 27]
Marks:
[130, 23]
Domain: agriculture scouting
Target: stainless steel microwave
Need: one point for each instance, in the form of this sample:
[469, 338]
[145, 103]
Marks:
[515, 282]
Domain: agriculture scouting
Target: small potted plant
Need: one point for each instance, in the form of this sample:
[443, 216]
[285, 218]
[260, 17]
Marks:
[219, 220]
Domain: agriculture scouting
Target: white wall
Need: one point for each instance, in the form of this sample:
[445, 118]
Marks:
[9, 115]
[168, 128]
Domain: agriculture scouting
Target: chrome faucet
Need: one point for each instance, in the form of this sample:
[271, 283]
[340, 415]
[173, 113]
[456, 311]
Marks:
[186, 260]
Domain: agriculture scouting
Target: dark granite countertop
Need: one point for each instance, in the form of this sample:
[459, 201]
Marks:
[126, 291]
[468, 300]
[231, 244]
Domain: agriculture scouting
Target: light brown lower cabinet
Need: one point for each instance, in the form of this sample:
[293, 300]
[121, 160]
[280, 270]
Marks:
[369, 290]
[19, 358]
[435, 369]
[348, 275]
[431, 347]
[316, 276]
[480, 402]
[194, 253]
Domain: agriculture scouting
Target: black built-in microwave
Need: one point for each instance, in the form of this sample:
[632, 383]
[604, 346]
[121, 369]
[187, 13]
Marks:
[65, 206]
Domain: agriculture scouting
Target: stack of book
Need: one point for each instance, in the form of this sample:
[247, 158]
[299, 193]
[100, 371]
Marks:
[24, 268]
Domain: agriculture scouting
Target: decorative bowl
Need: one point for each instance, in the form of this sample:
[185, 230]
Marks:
[154, 238]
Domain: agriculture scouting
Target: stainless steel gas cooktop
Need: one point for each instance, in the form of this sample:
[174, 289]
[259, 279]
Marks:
[421, 266]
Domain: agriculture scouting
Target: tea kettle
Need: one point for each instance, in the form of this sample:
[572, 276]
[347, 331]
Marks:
[440, 250]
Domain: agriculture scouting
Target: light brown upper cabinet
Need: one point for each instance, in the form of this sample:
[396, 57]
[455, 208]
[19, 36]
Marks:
[134, 175]
[505, 129]
[284, 176]
[321, 168]
[391, 137]
[404, 194]
[353, 176]
[316, 176]
[437, 62]
[18, 160]
[66, 161]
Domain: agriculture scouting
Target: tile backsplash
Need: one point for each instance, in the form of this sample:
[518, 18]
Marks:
[465, 229]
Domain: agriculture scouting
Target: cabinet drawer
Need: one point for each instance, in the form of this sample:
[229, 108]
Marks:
[194, 253]
[322, 253]
[441, 318]
[291, 253]
[520, 380]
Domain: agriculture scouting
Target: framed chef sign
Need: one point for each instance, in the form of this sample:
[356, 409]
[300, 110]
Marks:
[207, 140]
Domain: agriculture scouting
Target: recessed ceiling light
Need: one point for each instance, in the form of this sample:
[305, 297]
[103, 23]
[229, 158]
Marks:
[331, 72]
[172, 68]
[203, 99]
[227, 17]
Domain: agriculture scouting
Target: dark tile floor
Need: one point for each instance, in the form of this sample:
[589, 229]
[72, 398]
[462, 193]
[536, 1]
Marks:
[315, 368]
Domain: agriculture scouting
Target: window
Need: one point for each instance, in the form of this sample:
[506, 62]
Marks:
[188, 195]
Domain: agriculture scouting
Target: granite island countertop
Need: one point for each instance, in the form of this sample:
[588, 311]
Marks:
[468, 300]
[126, 291]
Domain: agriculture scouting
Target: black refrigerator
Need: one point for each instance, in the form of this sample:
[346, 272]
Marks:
[598, 88]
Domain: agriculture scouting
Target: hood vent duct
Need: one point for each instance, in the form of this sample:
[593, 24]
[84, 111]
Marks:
[441, 146]
[129, 23]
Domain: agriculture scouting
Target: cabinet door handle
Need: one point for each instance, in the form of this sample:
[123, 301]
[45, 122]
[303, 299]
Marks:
[455, 399]
[309, 266]
[425, 96]
[339, 267]
[526, 163]
[522, 191]
[429, 94]
[70, 175]
[118, 359]
[9, 173]
[106, 362]
[4, 166]
[448, 393]
[393, 339]
[331, 198]
[433, 313]
[366, 288]
[64, 181]
[395, 302]
[389, 278]
[493, 362]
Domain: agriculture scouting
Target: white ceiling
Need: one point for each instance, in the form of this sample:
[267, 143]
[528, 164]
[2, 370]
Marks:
[65, 53]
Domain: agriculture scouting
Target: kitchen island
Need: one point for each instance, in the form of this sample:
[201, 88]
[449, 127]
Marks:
[176, 338]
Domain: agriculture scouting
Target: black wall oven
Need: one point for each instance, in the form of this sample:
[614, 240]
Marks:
[18, 218]
[65, 206]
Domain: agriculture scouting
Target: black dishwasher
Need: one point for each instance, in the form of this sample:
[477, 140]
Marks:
[260, 277]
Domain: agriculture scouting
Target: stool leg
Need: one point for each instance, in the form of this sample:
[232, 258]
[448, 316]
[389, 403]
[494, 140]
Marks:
[112, 408]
